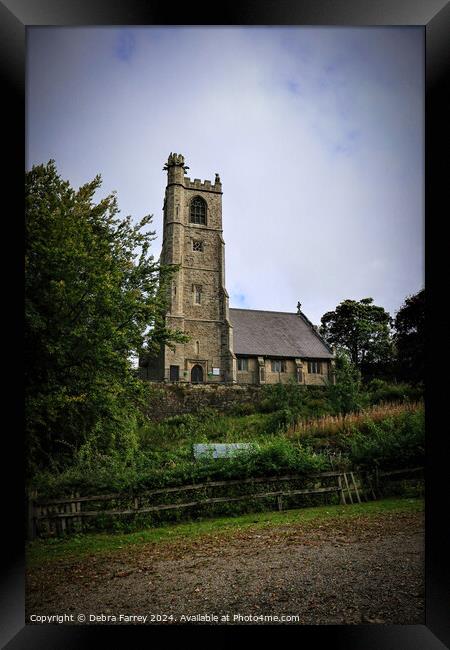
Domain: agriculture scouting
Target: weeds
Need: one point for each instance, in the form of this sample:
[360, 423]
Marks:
[301, 436]
[329, 425]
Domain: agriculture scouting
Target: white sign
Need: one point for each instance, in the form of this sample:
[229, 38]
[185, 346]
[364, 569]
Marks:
[220, 450]
[216, 371]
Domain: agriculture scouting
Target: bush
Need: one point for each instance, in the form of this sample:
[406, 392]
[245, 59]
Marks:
[280, 396]
[280, 421]
[303, 401]
[282, 456]
[382, 391]
[246, 408]
[393, 443]
[272, 458]
[346, 396]
[115, 473]
[175, 430]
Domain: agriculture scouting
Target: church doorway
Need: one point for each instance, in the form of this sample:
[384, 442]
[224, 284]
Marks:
[197, 374]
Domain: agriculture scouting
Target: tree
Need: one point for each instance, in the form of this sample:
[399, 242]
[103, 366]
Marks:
[345, 394]
[362, 330]
[94, 297]
[409, 338]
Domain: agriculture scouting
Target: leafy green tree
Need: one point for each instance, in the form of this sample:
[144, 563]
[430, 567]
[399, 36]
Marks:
[95, 297]
[409, 338]
[362, 330]
[346, 395]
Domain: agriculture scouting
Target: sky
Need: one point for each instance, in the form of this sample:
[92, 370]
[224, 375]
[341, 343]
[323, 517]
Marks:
[317, 134]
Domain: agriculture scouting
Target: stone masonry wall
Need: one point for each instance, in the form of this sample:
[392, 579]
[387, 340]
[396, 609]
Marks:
[175, 399]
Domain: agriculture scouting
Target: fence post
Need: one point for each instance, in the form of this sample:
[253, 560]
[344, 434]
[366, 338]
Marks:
[355, 486]
[73, 508]
[348, 487]
[31, 522]
[343, 501]
[280, 502]
[79, 526]
[377, 481]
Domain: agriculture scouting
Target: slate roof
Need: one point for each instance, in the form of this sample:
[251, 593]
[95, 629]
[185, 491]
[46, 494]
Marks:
[275, 333]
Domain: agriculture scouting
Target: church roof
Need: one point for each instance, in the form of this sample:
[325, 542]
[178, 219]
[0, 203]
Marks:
[275, 333]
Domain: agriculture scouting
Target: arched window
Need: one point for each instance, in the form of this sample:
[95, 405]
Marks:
[198, 210]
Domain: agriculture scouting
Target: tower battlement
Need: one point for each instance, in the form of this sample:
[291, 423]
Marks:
[176, 169]
[198, 184]
[175, 160]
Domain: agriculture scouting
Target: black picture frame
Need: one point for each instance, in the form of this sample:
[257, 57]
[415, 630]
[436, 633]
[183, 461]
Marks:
[434, 16]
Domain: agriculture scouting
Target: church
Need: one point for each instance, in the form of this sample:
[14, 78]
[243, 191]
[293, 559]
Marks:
[226, 345]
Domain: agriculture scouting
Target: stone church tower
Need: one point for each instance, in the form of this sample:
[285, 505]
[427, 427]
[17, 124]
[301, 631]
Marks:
[198, 304]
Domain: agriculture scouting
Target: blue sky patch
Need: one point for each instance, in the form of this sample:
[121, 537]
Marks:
[125, 46]
[239, 299]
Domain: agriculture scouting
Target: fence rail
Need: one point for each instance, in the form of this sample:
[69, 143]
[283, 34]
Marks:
[66, 513]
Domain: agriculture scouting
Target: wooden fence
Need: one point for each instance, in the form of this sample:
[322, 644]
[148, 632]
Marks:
[67, 514]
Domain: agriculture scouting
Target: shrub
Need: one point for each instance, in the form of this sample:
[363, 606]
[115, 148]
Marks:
[346, 396]
[115, 473]
[280, 396]
[392, 443]
[273, 458]
[280, 421]
[246, 408]
[382, 391]
[280, 455]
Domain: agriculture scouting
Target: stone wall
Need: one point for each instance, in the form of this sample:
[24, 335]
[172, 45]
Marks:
[175, 399]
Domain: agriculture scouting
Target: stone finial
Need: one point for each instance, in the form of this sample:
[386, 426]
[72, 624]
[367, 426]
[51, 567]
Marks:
[175, 160]
[299, 304]
[217, 178]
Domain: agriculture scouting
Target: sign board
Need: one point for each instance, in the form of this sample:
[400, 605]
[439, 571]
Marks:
[216, 371]
[220, 450]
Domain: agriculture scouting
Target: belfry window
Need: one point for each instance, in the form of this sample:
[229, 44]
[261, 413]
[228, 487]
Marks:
[198, 210]
[197, 294]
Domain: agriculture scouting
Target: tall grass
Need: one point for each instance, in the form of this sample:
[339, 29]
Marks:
[329, 425]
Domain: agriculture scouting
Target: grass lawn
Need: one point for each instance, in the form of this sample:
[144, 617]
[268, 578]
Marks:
[43, 551]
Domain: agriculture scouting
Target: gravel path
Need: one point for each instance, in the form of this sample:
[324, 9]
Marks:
[368, 569]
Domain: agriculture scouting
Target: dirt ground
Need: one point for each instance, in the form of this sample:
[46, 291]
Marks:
[368, 569]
